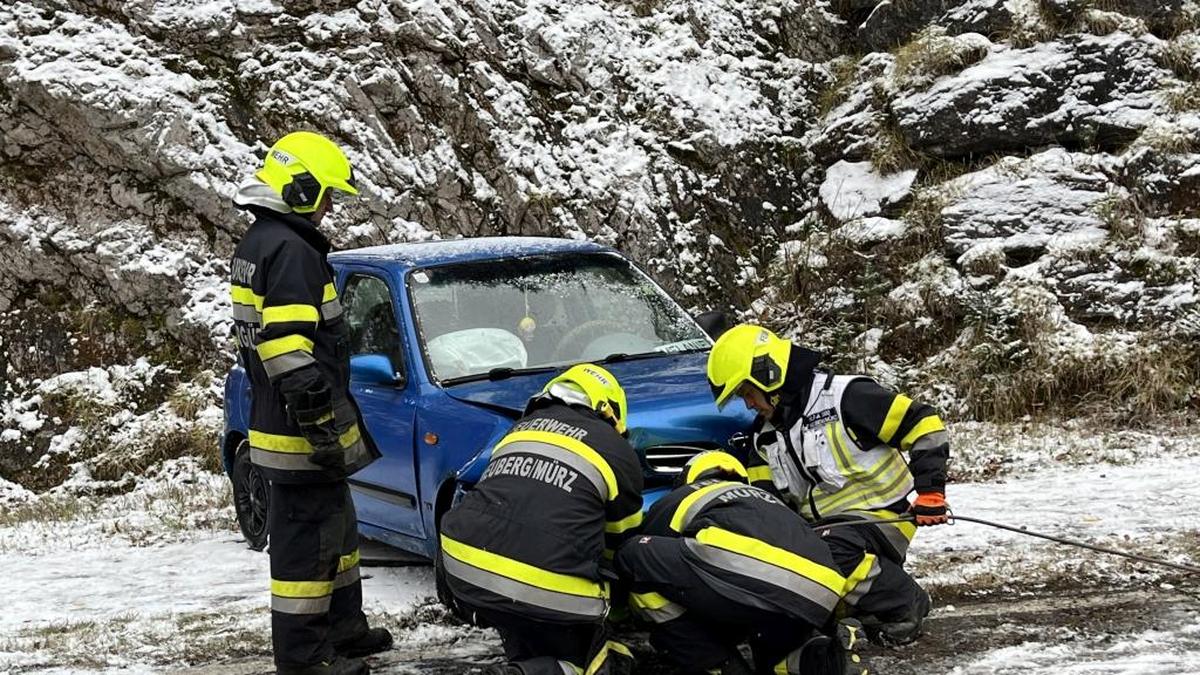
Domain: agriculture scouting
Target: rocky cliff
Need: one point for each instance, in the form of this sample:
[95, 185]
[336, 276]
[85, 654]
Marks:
[991, 203]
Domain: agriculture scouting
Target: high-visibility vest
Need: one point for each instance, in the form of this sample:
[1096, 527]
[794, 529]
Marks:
[817, 463]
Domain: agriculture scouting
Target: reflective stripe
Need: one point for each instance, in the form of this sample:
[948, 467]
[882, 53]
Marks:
[523, 582]
[347, 577]
[357, 455]
[926, 426]
[298, 445]
[790, 665]
[242, 295]
[282, 345]
[887, 483]
[846, 464]
[282, 461]
[828, 577]
[624, 524]
[286, 363]
[515, 569]
[568, 443]
[331, 310]
[895, 416]
[347, 561]
[655, 608]
[750, 557]
[301, 597]
[245, 314]
[301, 589]
[301, 605]
[569, 668]
[559, 454]
[899, 535]
[599, 661]
[290, 314]
[695, 502]
[759, 473]
[329, 292]
[860, 580]
[280, 442]
[930, 441]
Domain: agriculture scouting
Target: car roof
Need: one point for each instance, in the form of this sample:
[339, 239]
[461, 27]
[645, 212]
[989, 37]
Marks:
[443, 251]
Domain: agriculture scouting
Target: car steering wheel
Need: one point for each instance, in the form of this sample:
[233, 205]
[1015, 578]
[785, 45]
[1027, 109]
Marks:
[566, 347]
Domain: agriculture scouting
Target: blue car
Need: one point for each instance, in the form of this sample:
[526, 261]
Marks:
[448, 341]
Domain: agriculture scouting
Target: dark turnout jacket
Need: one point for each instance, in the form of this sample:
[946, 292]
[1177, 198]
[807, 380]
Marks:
[294, 343]
[561, 491]
[751, 548]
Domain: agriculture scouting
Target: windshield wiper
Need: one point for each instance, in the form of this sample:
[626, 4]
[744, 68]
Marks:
[497, 374]
[621, 356]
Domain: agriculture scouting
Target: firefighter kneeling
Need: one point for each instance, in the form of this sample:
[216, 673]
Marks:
[721, 562]
[524, 552]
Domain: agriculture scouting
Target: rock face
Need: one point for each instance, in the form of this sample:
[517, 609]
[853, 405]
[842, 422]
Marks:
[1098, 91]
[1022, 207]
[928, 186]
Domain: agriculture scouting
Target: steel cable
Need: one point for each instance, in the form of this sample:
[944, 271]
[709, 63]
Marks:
[1060, 540]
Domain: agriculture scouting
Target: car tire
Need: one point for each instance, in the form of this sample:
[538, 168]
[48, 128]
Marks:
[251, 498]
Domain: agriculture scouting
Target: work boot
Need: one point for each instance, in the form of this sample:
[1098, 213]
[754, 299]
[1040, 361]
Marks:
[851, 635]
[338, 666]
[821, 655]
[373, 641]
[902, 627]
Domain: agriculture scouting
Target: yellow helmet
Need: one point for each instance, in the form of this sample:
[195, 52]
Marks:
[712, 464]
[302, 166]
[747, 353]
[604, 394]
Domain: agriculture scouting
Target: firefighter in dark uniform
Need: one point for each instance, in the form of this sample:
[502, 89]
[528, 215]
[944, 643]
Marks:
[528, 551]
[306, 434]
[831, 445]
[721, 562]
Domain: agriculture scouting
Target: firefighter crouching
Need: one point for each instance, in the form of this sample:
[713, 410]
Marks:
[720, 562]
[830, 446]
[527, 550]
[306, 434]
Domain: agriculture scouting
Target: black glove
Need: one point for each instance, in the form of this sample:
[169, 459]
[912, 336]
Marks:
[312, 408]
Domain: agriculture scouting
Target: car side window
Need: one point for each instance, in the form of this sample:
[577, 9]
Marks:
[372, 321]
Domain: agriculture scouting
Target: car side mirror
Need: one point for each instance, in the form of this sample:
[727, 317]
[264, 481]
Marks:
[714, 323]
[374, 369]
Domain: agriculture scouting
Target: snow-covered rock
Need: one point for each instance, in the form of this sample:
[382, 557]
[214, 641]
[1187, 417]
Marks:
[1025, 205]
[1086, 89]
[856, 190]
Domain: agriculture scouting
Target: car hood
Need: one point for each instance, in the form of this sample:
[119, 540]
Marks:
[669, 402]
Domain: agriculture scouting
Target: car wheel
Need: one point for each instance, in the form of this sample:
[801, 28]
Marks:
[251, 498]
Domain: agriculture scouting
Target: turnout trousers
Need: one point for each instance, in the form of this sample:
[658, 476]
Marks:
[880, 586]
[550, 648]
[316, 591]
[697, 627]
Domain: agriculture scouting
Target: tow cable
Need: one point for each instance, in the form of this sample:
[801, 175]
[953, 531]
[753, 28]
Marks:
[1069, 542]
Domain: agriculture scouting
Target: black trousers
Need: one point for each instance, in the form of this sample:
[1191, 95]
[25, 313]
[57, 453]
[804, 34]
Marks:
[710, 628]
[552, 648]
[892, 591]
[316, 591]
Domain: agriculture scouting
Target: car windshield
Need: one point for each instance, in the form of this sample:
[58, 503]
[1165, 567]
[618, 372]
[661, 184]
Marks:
[544, 311]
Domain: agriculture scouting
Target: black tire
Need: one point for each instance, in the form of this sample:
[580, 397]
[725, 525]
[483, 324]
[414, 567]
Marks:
[251, 498]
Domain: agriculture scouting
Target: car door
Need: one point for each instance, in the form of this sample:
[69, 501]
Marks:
[385, 493]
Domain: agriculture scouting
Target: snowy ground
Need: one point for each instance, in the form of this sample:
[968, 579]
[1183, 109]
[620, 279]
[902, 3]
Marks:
[158, 580]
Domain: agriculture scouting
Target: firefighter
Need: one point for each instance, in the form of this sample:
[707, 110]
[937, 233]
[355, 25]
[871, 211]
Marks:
[721, 562]
[528, 551]
[306, 433]
[831, 445]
